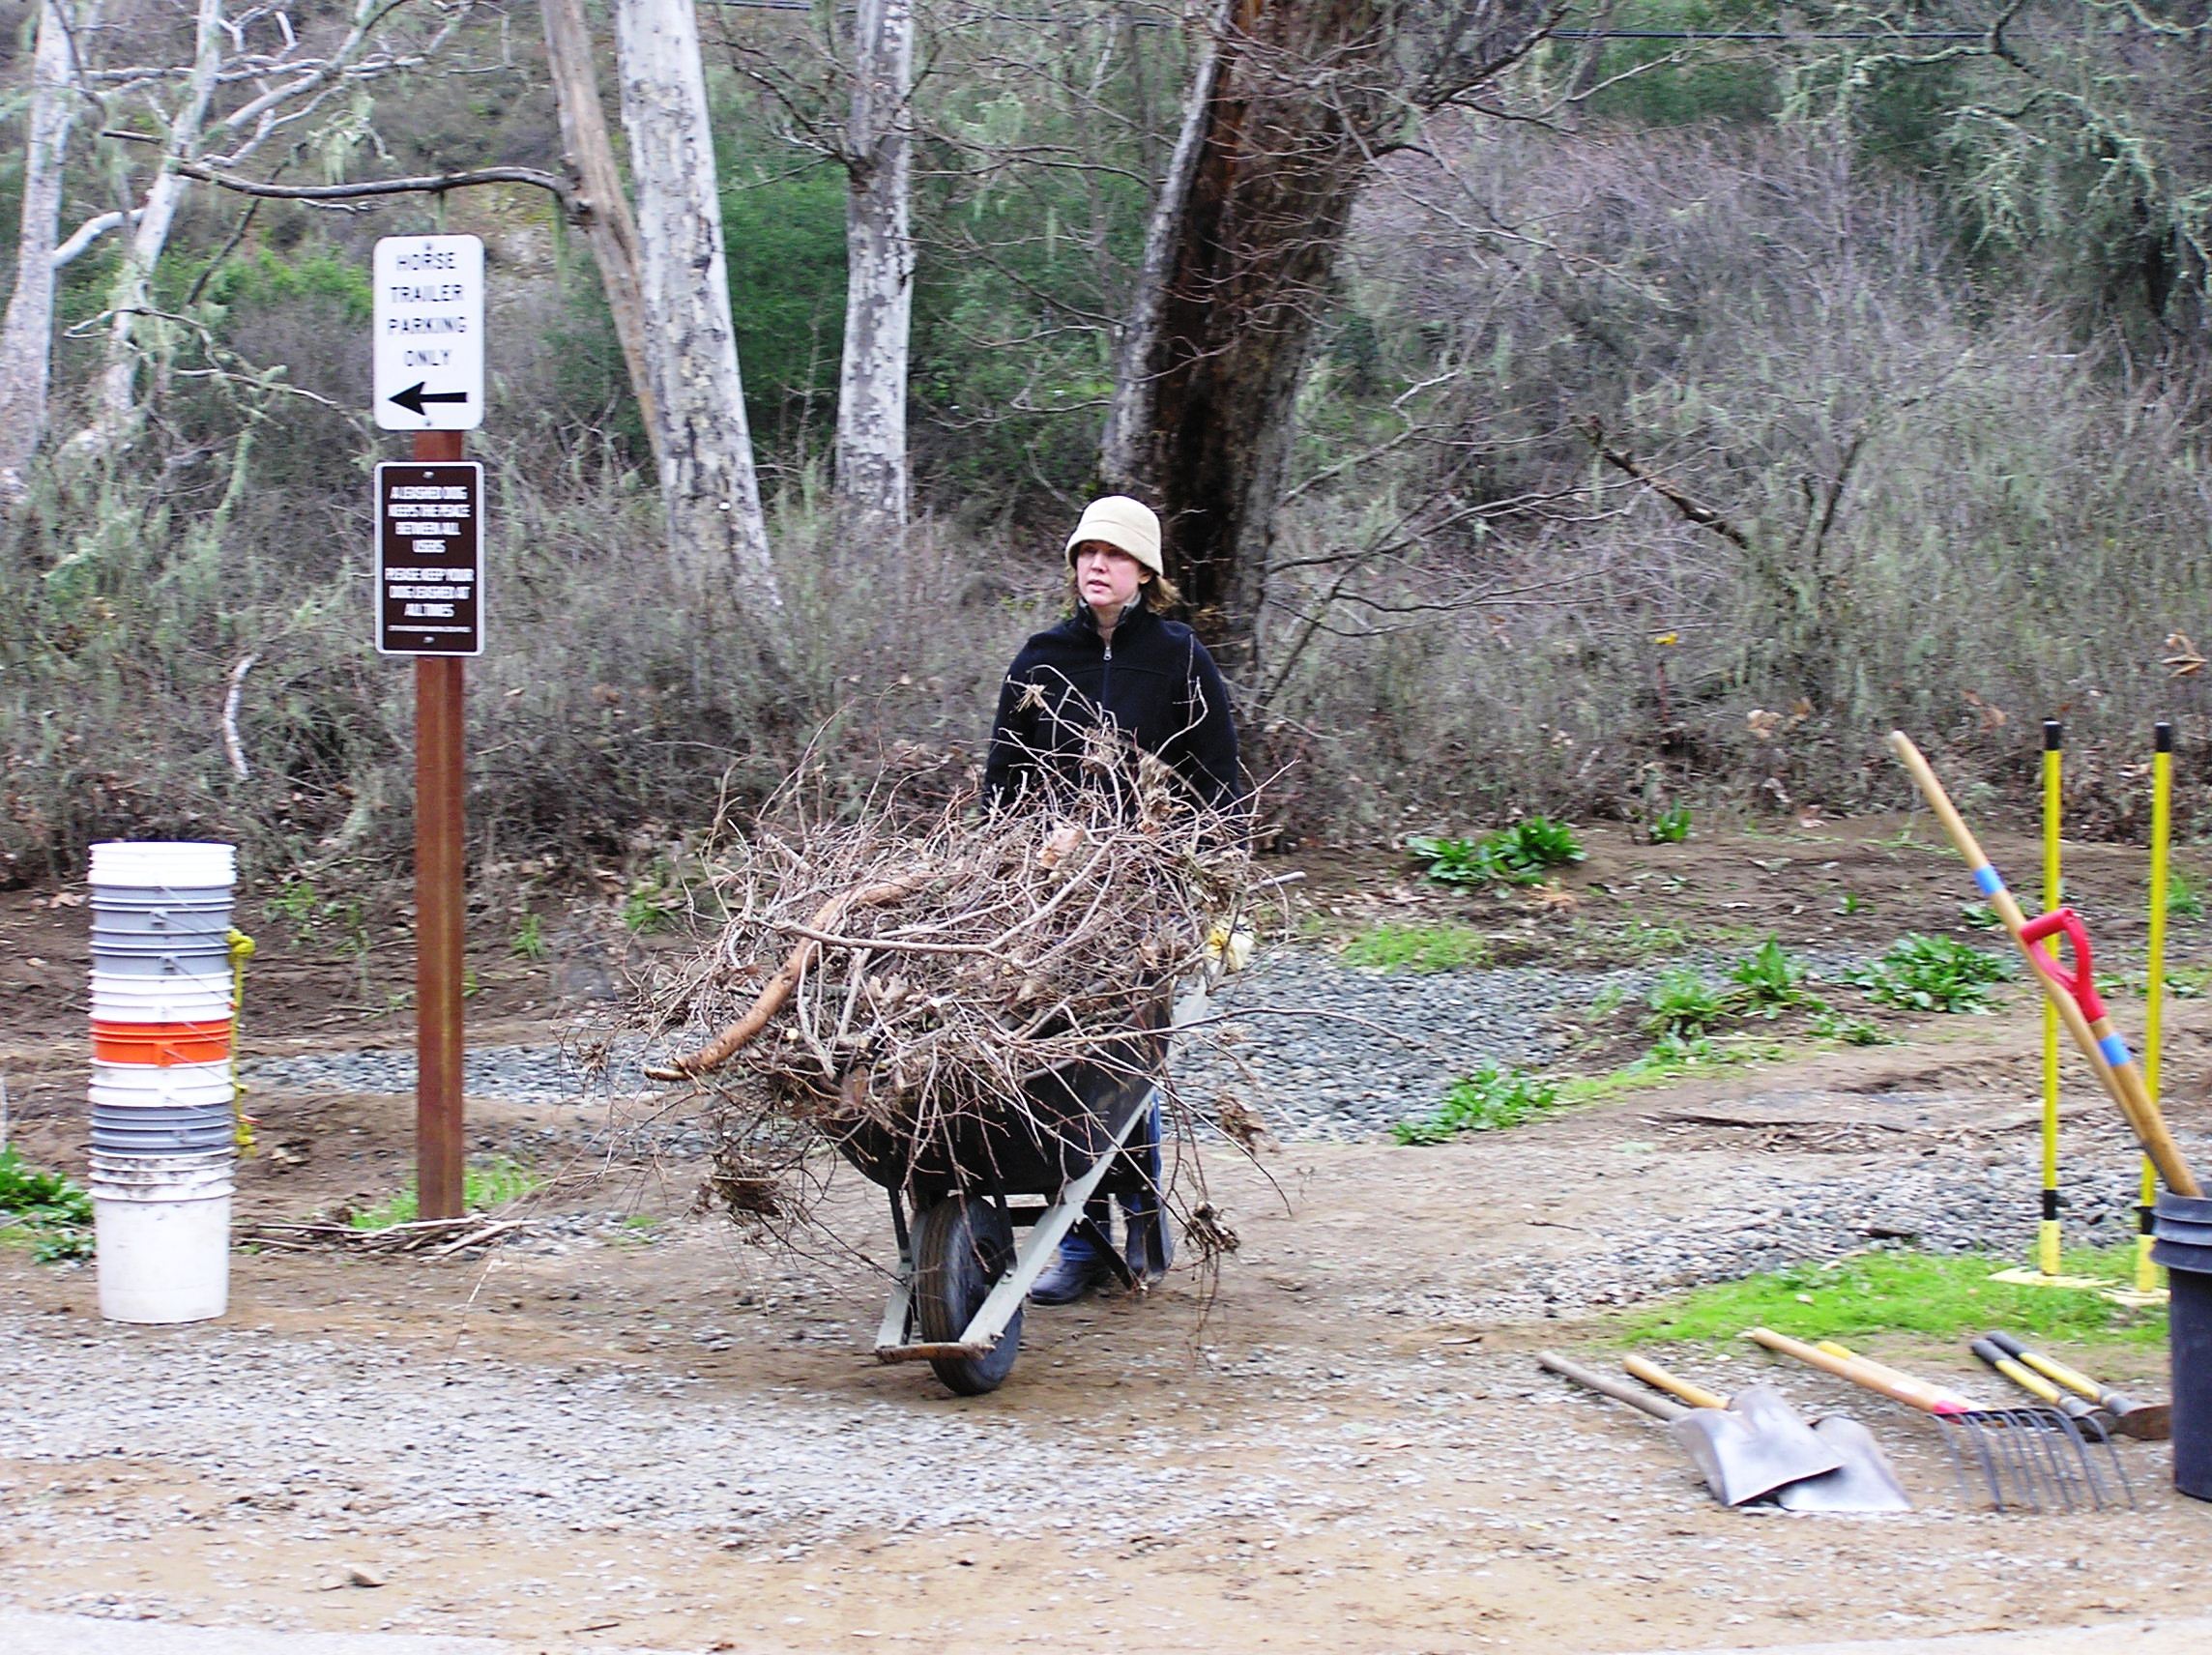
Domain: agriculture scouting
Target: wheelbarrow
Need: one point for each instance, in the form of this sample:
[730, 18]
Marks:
[959, 1194]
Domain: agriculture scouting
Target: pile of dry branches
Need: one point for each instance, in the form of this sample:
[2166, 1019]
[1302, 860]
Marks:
[911, 973]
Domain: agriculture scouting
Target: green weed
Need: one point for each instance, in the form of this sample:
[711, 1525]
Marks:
[1418, 948]
[528, 938]
[1685, 1002]
[1769, 979]
[1851, 1031]
[2184, 895]
[1488, 1100]
[1933, 973]
[486, 1185]
[51, 1211]
[1979, 915]
[1518, 854]
[1942, 1295]
[1671, 826]
[1606, 1001]
[1671, 1057]
[1850, 902]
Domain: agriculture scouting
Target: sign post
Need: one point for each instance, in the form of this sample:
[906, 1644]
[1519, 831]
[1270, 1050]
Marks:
[428, 357]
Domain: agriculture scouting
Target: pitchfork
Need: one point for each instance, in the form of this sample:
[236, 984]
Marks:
[2029, 1458]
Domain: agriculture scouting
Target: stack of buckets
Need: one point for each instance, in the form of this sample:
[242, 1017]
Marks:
[164, 1132]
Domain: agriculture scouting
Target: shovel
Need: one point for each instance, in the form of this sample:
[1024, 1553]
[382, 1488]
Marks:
[1725, 1445]
[1863, 1480]
[2145, 1421]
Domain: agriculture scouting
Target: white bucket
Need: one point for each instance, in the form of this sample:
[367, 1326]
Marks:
[163, 1177]
[149, 1086]
[202, 998]
[173, 866]
[163, 1261]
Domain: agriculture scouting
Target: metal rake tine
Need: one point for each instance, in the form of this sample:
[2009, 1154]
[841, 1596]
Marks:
[1974, 1439]
[2037, 1425]
[2015, 1456]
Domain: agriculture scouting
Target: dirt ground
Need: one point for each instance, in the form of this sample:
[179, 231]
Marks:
[1328, 1446]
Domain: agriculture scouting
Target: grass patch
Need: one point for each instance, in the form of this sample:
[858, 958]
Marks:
[1485, 1101]
[1671, 1056]
[485, 1186]
[1933, 973]
[1445, 947]
[1941, 1295]
[43, 1210]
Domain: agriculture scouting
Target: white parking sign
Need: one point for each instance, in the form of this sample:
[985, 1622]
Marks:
[430, 349]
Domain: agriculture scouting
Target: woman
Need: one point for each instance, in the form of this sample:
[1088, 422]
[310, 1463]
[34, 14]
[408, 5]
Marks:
[1116, 662]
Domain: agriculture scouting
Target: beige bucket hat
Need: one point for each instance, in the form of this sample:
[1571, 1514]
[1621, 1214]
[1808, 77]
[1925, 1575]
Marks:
[1120, 521]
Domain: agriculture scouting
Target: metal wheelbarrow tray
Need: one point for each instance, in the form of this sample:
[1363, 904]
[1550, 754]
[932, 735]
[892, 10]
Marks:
[959, 1193]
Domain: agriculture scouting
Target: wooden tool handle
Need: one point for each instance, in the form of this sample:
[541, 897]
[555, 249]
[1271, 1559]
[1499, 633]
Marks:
[1949, 1398]
[1673, 1384]
[1870, 1375]
[2073, 1379]
[2122, 1081]
[1605, 1384]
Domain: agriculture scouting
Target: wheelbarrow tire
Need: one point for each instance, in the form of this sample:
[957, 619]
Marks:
[962, 1247]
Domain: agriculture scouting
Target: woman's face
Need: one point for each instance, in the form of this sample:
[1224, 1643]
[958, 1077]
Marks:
[1107, 576]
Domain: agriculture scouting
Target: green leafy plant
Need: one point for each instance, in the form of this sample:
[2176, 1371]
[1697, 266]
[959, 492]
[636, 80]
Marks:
[650, 907]
[486, 1185]
[1488, 1100]
[1518, 854]
[1979, 915]
[1933, 973]
[1850, 902]
[1606, 1001]
[1685, 1002]
[528, 938]
[1769, 979]
[1671, 826]
[52, 1212]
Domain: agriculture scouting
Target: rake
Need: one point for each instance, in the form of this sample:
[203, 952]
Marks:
[2031, 1459]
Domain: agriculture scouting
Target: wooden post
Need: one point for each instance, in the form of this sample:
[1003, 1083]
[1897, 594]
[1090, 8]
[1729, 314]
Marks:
[439, 910]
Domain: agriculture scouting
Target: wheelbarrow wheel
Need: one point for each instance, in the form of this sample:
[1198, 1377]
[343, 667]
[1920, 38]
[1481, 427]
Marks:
[962, 1247]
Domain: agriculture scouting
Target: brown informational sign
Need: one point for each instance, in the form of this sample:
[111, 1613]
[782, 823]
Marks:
[430, 558]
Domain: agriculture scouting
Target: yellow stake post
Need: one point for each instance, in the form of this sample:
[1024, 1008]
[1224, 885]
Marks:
[2154, 987]
[2047, 1238]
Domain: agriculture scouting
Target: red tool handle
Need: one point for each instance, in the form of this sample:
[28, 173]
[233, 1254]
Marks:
[2079, 983]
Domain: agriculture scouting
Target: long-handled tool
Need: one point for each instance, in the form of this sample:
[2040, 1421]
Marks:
[2145, 1421]
[2154, 981]
[2073, 994]
[1863, 1480]
[1739, 1459]
[2026, 1456]
[2089, 1418]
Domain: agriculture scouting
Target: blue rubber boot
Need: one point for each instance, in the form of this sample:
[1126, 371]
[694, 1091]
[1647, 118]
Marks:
[1149, 1248]
[1080, 1267]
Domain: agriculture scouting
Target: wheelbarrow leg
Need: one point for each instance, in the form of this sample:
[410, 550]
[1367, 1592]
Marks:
[899, 1314]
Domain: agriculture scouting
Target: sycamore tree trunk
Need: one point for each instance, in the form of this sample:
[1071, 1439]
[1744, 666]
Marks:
[1287, 110]
[716, 529]
[27, 334]
[609, 226]
[872, 476]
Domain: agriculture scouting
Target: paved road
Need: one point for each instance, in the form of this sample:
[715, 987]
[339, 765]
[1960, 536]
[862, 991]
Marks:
[74, 1634]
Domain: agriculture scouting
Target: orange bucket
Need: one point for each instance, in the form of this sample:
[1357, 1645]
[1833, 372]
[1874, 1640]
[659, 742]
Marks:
[160, 1043]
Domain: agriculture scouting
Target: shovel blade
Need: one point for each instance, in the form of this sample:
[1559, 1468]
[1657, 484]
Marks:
[1865, 1480]
[1755, 1445]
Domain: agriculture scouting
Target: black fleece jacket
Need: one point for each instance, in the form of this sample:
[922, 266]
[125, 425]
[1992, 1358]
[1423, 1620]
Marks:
[1155, 683]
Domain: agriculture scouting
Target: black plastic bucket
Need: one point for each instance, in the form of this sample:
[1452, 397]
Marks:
[2183, 1227]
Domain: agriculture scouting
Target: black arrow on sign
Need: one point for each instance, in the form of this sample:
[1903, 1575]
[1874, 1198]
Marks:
[414, 396]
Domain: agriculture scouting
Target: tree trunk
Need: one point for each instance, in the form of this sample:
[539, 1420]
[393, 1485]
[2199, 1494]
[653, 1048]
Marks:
[1284, 116]
[1237, 267]
[872, 476]
[27, 334]
[115, 407]
[712, 497]
[609, 226]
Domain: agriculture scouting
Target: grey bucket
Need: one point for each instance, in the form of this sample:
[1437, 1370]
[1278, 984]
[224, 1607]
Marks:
[2183, 1226]
[178, 1139]
[161, 956]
